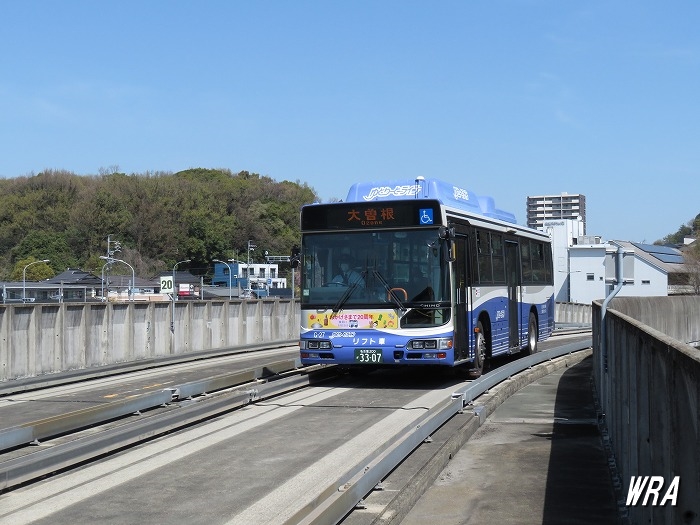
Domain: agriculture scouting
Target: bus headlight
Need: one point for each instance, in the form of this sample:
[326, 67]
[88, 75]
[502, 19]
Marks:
[443, 343]
[314, 344]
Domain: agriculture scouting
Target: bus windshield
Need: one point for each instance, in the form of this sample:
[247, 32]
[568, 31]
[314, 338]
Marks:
[397, 269]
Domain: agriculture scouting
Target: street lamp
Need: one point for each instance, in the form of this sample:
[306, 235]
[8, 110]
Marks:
[24, 278]
[172, 312]
[251, 247]
[102, 296]
[230, 282]
[133, 274]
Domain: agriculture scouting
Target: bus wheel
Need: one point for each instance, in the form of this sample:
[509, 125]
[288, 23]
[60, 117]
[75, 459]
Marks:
[480, 354]
[531, 347]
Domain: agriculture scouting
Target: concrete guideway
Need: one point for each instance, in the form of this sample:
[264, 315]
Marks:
[103, 400]
[107, 403]
[539, 458]
[280, 451]
[326, 472]
[78, 375]
[357, 423]
[419, 489]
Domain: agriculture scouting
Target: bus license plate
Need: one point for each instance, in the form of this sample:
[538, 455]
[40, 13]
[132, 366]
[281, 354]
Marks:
[368, 355]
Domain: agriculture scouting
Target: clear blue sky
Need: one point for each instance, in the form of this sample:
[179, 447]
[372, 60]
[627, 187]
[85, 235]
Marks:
[505, 98]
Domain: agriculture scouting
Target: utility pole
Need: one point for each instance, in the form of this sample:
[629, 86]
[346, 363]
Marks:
[251, 247]
[111, 250]
[117, 246]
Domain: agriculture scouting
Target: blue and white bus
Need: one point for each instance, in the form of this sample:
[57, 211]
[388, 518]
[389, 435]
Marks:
[420, 273]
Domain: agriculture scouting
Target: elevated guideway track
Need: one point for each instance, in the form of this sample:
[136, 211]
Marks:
[315, 445]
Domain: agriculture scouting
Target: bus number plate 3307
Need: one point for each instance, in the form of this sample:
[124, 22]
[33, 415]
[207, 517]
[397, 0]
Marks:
[368, 355]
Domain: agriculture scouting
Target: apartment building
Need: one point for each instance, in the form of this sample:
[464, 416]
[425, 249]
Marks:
[544, 208]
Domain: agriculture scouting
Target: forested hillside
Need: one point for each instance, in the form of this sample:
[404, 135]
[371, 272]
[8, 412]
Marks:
[690, 229]
[158, 218]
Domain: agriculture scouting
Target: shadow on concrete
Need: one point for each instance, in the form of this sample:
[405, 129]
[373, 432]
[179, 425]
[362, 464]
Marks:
[579, 484]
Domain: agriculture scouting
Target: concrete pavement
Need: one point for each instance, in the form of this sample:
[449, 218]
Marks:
[539, 458]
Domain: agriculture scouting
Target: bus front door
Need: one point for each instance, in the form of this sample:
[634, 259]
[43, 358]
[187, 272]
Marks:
[461, 320]
[512, 279]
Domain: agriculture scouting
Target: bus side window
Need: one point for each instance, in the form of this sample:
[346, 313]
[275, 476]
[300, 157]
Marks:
[525, 258]
[473, 259]
[537, 256]
[499, 265]
[483, 247]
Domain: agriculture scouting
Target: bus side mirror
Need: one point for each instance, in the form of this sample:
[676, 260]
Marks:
[295, 259]
[447, 234]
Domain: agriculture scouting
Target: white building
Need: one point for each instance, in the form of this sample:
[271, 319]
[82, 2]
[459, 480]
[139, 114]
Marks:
[646, 270]
[261, 275]
[564, 233]
[584, 266]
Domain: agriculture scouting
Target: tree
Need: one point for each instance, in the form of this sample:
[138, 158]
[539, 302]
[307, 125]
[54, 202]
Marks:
[44, 244]
[690, 229]
[692, 263]
[159, 217]
[36, 272]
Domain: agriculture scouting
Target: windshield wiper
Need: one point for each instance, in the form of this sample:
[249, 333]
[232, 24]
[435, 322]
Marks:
[380, 278]
[389, 289]
[348, 293]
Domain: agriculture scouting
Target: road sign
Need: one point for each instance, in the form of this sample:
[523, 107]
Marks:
[166, 284]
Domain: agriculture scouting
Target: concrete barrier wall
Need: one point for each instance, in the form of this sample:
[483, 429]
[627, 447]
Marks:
[648, 386]
[43, 339]
[38, 339]
[677, 317]
[572, 313]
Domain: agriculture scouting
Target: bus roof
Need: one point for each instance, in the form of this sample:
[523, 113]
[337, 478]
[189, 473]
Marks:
[447, 194]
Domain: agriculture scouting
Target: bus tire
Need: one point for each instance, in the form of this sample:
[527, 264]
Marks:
[532, 334]
[480, 348]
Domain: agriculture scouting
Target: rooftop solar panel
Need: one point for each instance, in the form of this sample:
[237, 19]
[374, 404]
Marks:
[655, 248]
[663, 253]
[669, 258]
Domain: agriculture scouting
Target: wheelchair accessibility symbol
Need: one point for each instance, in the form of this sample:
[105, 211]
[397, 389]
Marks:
[425, 216]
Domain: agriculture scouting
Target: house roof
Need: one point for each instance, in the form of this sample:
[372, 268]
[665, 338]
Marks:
[81, 277]
[186, 277]
[666, 258]
[74, 276]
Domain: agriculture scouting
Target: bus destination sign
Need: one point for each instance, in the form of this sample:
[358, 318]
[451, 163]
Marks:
[360, 215]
